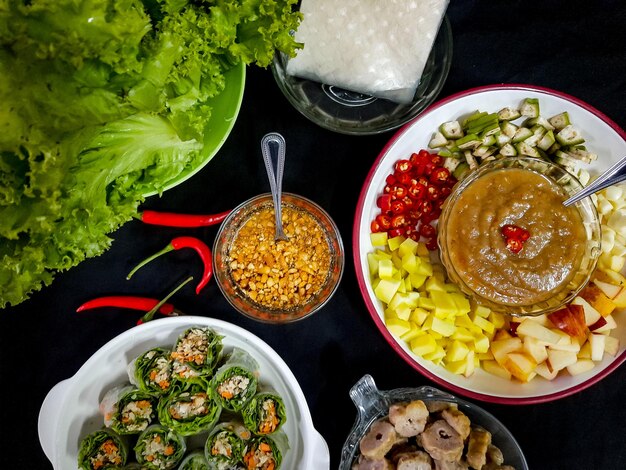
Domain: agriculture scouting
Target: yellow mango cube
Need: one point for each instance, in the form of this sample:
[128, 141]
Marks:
[484, 324]
[395, 242]
[456, 351]
[417, 280]
[422, 250]
[436, 356]
[482, 311]
[497, 319]
[426, 303]
[481, 344]
[413, 333]
[408, 246]
[462, 303]
[424, 344]
[378, 238]
[385, 269]
[397, 326]
[463, 334]
[444, 303]
[456, 367]
[411, 263]
[386, 289]
[444, 328]
[433, 284]
[419, 315]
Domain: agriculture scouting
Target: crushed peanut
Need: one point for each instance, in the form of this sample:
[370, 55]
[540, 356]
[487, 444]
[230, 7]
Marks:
[280, 275]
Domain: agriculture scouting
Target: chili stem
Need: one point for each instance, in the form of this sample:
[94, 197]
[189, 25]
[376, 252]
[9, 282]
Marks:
[150, 314]
[167, 249]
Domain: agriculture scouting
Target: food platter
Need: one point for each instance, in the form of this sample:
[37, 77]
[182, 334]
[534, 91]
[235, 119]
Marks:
[70, 410]
[603, 136]
[224, 110]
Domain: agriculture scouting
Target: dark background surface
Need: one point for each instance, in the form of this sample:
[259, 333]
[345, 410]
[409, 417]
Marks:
[578, 48]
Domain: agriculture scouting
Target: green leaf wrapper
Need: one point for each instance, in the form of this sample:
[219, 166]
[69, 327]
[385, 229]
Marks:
[230, 435]
[196, 354]
[159, 460]
[92, 447]
[257, 416]
[172, 410]
[128, 410]
[157, 361]
[194, 461]
[241, 371]
[278, 443]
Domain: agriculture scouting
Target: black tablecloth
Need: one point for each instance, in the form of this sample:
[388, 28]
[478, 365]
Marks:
[575, 47]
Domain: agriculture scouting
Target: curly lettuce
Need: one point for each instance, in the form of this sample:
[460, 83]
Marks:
[104, 101]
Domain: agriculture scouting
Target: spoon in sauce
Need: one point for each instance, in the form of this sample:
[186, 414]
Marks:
[276, 141]
[615, 174]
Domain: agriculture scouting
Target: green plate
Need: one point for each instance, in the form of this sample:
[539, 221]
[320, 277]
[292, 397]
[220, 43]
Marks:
[225, 108]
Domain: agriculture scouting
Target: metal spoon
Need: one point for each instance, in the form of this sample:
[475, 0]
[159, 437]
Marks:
[613, 175]
[277, 141]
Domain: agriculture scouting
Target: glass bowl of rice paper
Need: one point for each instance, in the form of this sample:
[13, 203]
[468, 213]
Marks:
[366, 68]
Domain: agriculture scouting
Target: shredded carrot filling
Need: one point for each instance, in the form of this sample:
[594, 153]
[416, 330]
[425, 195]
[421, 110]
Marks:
[227, 394]
[270, 421]
[169, 450]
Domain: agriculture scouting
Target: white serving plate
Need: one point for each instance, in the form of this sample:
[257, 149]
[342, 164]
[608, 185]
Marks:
[70, 410]
[603, 137]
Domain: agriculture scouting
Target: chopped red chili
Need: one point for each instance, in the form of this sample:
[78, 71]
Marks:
[514, 237]
[185, 242]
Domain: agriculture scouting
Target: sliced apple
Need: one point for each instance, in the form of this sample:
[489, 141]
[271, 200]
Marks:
[610, 290]
[528, 327]
[581, 366]
[520, 365]
[502, 347]
[545, 371]
[608, 326]
[591, 314]
[535, 349]
[620, 299]
[558, 360]
[571, 320]
[608, 276]
[611, 345]
[597, 343]
[597, 299]
[492, 367]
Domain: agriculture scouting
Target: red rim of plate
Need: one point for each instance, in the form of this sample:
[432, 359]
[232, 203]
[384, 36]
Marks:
[362, 282]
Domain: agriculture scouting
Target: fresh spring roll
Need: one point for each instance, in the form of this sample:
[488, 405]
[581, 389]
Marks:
[266, 452]
[196, 354]
[264, 413]
[102, 450]
[194, 461]
[152, 371]
[235, 382]
[159, 448]
[128, 410]
[189, 410]
[226, 445]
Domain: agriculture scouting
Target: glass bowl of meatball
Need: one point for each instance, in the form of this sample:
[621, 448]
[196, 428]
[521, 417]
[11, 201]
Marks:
[424, 427]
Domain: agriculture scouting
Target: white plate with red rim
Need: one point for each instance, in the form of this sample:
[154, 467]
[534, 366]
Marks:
[70, 410]
[603, 137]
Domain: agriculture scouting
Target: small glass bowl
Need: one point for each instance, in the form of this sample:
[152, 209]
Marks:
[373, 404]
[588, 214]
[235, 294]
[352, 113]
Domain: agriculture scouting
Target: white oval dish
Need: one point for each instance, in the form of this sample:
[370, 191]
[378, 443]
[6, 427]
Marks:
[603, 137]
[70, 410]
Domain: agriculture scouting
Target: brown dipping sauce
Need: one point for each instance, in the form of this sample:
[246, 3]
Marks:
[477, 250]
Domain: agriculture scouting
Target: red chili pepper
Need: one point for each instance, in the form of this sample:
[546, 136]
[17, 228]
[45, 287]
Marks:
[185, 242]
[172, 219]
[128, 301]
[398, 207]
[403, 166]
[384, 221]
[427, 231]
[514, 244]
[384, 202]
[439, 175]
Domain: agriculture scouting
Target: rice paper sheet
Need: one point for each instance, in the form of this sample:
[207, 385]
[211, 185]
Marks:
[128, 410]
[171, 448]
[265, 413]
[94, 446]
[194, 461]
[226, 445]
[264, 449]
[236, 381]
[369, 46]
[152, 371]
[196, 354]
[189, 410]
